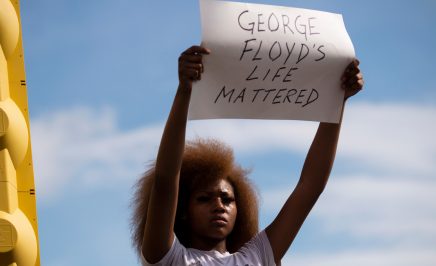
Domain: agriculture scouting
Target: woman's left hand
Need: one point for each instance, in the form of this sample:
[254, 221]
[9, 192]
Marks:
[352, 79]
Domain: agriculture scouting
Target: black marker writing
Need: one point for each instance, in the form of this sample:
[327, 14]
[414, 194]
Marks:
[250, 22]
[268, 96]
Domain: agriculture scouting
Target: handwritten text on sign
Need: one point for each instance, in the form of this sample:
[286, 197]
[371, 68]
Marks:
[270, 62]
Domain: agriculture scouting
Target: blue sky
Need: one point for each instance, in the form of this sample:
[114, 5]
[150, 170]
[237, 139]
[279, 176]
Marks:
[101, 76]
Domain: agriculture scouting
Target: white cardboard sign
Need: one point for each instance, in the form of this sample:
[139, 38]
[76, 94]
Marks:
[270, 62]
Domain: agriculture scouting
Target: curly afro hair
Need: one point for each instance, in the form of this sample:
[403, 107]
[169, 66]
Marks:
[204, 161]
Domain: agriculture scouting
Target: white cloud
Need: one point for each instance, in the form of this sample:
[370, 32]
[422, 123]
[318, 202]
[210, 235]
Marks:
[399, 256]
[249, 136]
[397, 215]
[399, 208]
[397, 137]
[392, 137]
[376, 207]
[84, 146]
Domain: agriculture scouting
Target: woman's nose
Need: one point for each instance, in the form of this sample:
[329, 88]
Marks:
[218, 205]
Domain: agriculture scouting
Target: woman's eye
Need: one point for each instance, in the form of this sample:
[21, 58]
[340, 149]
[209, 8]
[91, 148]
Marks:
[203, 198]
[228, 200]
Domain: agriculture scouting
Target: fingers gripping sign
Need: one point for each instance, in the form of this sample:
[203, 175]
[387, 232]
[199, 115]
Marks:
[191, 65]
[352, 79]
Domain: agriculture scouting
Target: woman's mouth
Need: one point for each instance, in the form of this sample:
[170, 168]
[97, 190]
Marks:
[218, 220]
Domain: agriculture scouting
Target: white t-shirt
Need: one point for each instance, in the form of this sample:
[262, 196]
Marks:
[256, 252]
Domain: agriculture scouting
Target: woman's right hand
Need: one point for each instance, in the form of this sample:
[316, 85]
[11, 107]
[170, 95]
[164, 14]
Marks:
[191, 66]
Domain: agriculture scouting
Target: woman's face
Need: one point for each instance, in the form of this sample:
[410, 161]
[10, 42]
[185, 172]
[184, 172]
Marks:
[212, 211]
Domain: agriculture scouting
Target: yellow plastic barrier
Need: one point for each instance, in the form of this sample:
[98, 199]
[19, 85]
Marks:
[18, 223]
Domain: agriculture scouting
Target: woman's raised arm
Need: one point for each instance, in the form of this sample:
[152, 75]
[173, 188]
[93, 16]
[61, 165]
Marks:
[316, 170]
[158, 233]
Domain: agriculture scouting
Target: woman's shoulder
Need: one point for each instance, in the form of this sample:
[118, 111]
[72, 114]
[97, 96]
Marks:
[256, 251]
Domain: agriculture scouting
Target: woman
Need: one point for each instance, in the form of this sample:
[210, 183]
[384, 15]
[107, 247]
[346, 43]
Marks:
[196, 207]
